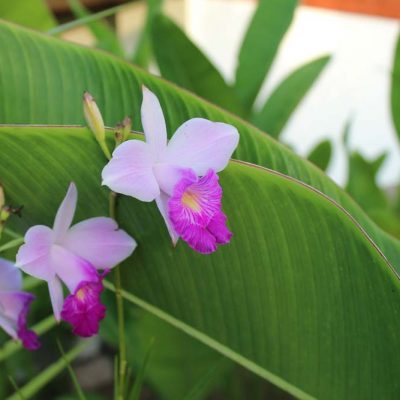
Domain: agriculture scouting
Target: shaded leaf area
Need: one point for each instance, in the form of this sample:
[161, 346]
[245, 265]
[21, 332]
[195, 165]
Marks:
[42, 80]
[260, 46]
[321, 154]
[33, 13]
[177, 361]
[301, 296]
[362, 186]
[285, 98]
[181, 62]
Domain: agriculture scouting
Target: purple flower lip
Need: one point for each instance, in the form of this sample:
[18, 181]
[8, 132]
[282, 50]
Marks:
[83, 309]
[195, 210]
[14, 306]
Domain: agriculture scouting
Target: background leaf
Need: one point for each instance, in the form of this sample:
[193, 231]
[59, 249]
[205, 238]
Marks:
[260, 46]
[285, 98]
[181, 62]
[321, 154]
[33, 13]
[301, 296]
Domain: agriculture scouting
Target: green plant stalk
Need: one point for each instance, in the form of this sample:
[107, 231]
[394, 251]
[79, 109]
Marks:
[120, 310]
[41, 380]
[75, 381]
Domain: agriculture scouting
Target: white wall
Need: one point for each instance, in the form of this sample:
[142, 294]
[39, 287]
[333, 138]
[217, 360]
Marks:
[356, 83]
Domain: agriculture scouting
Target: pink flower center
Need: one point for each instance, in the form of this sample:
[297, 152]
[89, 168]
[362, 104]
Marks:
[83, 309]
[195, 210]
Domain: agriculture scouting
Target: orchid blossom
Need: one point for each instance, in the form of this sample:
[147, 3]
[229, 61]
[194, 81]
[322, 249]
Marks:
[14, 305]
[168, 173]
[73, 255]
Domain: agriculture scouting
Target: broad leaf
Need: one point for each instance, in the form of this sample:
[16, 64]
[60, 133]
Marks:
[33, 13]
[260, 46]
[301, 295]
[42, 81]
[283, 101]
[181, 62]
[321, 154]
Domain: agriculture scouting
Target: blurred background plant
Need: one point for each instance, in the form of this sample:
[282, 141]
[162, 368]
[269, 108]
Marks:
[164, 362]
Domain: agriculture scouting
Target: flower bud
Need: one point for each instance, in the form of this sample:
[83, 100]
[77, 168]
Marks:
[93, 117]
[2, 198]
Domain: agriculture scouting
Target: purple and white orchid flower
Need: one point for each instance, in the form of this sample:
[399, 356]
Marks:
[74, 255]
[168, 173]
[14, 306]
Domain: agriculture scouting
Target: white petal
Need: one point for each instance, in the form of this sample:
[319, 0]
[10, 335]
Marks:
[56, 296]
[153, 122]
[99, 241]
[201, 144]
[167, 176]
[70, 268]
[34, 256]
[65, 213]
[162, 204]
[10, 276]
[130, 171]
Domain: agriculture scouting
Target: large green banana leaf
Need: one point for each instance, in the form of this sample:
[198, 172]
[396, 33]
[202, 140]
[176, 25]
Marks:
[301, 296]
[42, 80]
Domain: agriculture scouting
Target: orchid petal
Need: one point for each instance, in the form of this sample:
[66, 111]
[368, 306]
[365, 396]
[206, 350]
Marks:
[99, 241]
[167, 176]
[130, 171]
[153, 122]
[10, 276]
[9, 326]
[201, 145]
[33, 256]
[70, 268]
[56, 296]
[65, 213]
[162, 204]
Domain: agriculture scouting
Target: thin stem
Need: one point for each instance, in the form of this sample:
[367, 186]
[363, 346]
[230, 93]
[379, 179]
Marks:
[106, 150]
[85, 20]
[11, 244]
[120, 310]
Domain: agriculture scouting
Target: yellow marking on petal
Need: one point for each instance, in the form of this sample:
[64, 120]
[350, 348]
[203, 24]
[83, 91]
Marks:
[80, 294]
[191, 200]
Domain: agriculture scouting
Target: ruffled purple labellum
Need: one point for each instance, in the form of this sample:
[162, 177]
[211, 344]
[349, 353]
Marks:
[14, 306]
[83, 309]
[195, 210]
[28, 338]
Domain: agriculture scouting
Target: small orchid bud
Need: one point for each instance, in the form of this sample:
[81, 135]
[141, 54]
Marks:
[93, 117]
[95, 121]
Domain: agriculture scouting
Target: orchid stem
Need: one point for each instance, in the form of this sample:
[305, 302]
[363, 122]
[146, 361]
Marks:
[11, 244]
[120, 311]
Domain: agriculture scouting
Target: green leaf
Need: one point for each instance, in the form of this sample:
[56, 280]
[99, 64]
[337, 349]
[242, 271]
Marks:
[44, 79]
[181, 62]
[260, 46]
[283, 101]
[321, 154]
[106, 37]
[33, 13]
[41, 380]
[395, 88]
[144, 51]
[301, 296]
